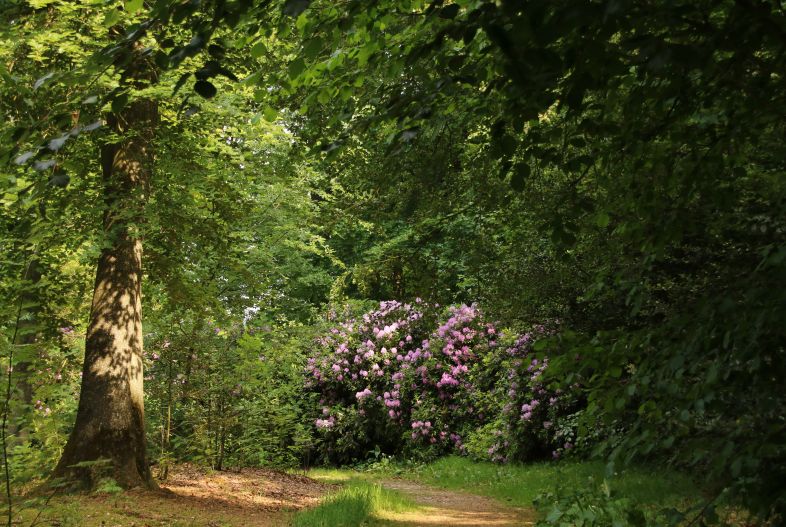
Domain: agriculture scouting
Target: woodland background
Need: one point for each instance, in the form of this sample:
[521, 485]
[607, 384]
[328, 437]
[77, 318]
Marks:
[603, 176]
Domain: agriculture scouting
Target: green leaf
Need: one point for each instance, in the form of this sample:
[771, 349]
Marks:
[554, 515]
[449, 11]
[44, 164]
[58, 142]
[132, 6]
[42, 80]
[294, 8]
[59, 179]
[258, 50]
[519, 176]
[162, 60]
[409, 134]
[216, 51]
[119, 102]
[180, 82]
[323, 97]
[312, 48]
[205, 89]
[296, 67]
[269, 114]
[736, 467]
[111, 18]
[21, 159]
[507, 144]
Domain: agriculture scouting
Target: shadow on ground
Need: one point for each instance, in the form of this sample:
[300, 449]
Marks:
[193, 497]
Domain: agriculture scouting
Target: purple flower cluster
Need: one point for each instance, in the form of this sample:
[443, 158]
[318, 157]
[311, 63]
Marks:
[43, 408]
[531, 409]
[326, 423]
[391, 368]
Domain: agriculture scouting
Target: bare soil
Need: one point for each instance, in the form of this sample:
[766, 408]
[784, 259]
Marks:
[193, 497]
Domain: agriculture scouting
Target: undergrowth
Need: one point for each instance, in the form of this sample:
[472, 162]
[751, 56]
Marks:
[519, 485]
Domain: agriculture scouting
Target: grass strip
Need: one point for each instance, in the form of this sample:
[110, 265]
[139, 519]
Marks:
[518, 485]
[357, 503]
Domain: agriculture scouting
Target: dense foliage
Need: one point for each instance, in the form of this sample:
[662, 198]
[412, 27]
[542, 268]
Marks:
[614, 166]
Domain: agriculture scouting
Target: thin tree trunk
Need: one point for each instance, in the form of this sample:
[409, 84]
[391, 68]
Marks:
[167, 431]
[222, 441]
[28, 335]
[110, 418]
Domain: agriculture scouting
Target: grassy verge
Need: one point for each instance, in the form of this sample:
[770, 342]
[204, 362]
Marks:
[519, 485]
[358, 503]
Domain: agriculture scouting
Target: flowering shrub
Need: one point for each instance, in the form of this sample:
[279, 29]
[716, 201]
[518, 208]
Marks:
[407, 377]
[388, 380]
[531, 421]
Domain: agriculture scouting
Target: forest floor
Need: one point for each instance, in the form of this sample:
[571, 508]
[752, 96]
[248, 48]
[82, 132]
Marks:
[451, 491]
[191, 497]
[196, 497]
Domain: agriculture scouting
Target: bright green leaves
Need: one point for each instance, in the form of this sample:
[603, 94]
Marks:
[366, 52]
[111, 18]
[323, 97]
[133, 6]
[269, 114]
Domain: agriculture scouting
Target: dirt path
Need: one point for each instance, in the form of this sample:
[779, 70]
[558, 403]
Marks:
[192, 497]
[452, 508]
[249, 497]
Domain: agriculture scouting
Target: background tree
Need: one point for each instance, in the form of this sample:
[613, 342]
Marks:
[615, 167]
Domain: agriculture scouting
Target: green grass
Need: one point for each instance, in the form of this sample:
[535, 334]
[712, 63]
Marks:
[518, 485]
[362, 502]
[358, 503]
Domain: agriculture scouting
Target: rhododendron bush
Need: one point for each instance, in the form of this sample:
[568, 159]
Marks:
[413, 378]
[530, 420]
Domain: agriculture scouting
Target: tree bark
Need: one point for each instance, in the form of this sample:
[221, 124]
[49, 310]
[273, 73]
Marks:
[110, 427]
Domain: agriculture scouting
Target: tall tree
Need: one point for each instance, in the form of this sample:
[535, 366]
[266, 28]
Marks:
[110, 418]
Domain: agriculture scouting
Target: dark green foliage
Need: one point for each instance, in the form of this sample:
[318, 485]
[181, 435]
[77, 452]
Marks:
[591, 509]
[615, 166]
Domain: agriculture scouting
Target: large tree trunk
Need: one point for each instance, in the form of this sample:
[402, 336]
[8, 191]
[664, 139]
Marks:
[110, 426]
